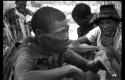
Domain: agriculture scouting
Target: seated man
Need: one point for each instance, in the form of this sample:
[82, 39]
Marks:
[83, 16]
[107, 36]
[43, 56]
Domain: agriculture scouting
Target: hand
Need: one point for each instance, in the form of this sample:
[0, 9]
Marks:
[94, 66]
[108, 51]
[101, 47]
[76, 73]
[107, 42]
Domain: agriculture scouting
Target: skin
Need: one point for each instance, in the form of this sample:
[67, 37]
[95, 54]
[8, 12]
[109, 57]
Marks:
[58, 36]
[108, 28]
[21, 7]
[56, 40]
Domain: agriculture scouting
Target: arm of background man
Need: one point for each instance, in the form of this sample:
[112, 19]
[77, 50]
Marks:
[82, 44]
[24, 71]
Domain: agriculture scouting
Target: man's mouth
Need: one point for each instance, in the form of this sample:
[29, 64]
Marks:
[107, 31]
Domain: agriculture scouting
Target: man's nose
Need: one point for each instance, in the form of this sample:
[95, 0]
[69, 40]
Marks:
[105, 26]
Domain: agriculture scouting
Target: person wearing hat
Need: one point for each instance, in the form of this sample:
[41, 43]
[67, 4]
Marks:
[107, 36]
[82, 16]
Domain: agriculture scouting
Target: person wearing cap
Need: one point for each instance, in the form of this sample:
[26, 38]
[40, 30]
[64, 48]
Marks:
[82, 16]
[43, 55]
[16, 19]
[107, 36]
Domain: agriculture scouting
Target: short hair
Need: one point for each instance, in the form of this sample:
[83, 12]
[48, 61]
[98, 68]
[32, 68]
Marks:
[44, 17]
[81, 10]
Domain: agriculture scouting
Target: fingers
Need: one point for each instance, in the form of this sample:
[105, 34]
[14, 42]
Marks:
[77, 73]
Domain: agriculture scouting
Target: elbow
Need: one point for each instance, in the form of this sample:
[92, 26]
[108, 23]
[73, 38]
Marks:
[73, 46]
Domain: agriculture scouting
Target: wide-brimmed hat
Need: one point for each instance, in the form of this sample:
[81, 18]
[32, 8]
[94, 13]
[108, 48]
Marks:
[107, 12]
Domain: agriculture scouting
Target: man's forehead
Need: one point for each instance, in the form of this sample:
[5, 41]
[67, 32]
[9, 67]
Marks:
[60, 25]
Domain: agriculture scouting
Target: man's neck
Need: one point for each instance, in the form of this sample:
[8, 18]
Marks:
[47, 48]
[23, 12]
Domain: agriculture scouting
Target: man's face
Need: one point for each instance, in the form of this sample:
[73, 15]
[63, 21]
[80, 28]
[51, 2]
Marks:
[58, 38]
[21, 5]
[107, 26]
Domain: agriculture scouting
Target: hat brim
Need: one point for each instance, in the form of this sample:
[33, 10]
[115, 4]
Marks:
[96, 21]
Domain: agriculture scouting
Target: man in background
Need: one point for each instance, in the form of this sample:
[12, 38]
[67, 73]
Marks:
[83, 16]
[108, 39]
[15, 20]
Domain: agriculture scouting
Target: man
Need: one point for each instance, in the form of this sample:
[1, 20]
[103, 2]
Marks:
[16, 20]
[43, 56]
[83, 16]
[107, 36]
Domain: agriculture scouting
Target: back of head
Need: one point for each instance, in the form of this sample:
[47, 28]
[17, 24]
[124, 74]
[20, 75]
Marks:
[44, 17]
[81, 10]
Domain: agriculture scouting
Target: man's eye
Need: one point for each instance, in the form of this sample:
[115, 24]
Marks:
[109, 22]
[101, 23]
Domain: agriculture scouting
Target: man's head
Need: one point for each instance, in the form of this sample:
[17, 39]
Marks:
[21, 5]
[82, 14]
[108, 19]
[50, 27]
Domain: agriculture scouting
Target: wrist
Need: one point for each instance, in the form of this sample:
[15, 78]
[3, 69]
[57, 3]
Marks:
[71, 69]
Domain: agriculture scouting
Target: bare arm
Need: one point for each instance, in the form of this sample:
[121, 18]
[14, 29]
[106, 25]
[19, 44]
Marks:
[24, 70]
[82, 44]
[75, 59]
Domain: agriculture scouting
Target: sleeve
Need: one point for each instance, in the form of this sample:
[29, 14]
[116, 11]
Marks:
[93, 34]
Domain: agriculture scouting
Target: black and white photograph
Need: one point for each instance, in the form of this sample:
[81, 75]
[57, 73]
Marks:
[62, 40]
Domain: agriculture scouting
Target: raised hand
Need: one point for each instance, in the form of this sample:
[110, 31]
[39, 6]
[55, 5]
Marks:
[107, 42]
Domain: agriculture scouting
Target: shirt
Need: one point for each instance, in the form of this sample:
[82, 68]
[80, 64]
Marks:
[94, 36]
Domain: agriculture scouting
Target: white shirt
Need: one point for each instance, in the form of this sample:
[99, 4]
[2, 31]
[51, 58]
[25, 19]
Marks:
[95, 36]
